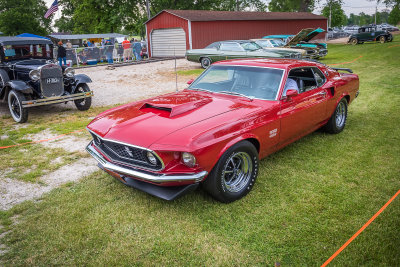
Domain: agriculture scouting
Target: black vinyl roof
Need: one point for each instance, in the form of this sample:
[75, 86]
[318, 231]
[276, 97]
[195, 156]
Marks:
[11, 40]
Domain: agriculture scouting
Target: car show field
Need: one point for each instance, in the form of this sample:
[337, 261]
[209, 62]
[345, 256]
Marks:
[309, 199]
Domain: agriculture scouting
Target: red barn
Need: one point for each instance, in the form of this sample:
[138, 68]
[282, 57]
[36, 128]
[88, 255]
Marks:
[172, 32]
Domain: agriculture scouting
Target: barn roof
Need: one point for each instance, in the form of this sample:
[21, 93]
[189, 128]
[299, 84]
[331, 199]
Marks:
[207, 15]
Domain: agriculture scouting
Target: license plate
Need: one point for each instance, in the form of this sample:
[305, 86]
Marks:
[52, 80]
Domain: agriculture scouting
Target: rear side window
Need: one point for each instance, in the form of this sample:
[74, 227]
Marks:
[231, 47]
[213, 45]
[319, 77]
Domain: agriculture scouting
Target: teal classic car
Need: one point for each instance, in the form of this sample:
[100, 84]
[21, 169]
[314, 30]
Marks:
[302, 41]
[230, 50]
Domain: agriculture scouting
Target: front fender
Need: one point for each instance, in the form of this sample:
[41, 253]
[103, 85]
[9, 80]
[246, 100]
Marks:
[20, 86]
[82, 78]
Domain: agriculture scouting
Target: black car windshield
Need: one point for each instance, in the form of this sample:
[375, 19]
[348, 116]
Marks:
[17, 52]
[248, 81]
[250, 46]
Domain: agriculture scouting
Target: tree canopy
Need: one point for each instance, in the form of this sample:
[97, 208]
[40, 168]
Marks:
[334, 7]
[19, 16]
[291, 5]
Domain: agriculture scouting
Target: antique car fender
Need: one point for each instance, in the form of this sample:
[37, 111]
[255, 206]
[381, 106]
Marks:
[20, 86]
[82, 78]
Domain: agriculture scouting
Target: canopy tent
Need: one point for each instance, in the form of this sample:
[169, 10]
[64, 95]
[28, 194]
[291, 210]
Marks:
[32, 35]
[85, 36]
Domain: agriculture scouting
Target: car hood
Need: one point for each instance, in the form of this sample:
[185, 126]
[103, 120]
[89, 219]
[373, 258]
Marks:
[305, 35]
[143, 123]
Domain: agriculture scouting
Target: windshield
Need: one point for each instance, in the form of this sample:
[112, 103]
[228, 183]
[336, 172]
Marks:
[16, 52]
[265, 43]
[250, 46]
[252, 82]
[277, 42]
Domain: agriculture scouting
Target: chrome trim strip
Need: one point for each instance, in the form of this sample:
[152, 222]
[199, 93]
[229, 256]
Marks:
[55, 99]
[155, 178]
[126, 144]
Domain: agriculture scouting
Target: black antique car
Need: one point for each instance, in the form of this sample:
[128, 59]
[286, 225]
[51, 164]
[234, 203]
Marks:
[370, 34]
[29, 77]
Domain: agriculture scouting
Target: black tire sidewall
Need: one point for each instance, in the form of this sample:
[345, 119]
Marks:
[214, 183]
[88, 100]
[331, 126]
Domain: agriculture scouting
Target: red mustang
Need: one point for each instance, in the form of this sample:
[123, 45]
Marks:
[214, 132]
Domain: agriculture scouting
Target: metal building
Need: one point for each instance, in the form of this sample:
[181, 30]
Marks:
[172, 32]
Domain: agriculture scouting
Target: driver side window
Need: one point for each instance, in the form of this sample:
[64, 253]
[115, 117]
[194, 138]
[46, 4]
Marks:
[302, 77]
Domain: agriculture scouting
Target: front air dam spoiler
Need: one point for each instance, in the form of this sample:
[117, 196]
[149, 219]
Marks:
[163, 192]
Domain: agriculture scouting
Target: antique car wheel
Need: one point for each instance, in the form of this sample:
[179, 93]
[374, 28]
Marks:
[234, 174]
[382, 39]
[205, 62]
[84, 103]
[354, 41]
[18, 113]
[337, 122]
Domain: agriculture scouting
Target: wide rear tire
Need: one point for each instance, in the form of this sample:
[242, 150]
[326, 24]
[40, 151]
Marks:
[18, 113]
[338, 120]
[235, 173]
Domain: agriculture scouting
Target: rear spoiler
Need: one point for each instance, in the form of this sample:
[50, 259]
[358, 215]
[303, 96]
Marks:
[343, 69]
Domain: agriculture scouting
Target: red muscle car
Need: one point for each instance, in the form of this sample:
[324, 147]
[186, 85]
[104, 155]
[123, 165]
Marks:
[214, 132]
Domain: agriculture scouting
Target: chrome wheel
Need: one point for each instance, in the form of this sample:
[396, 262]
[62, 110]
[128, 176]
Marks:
[237, 172]
[205, 62]
[340, 116]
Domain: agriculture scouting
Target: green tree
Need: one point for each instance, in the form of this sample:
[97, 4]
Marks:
[334, 8]
[394, 16]
[291, 5]
[19, 16]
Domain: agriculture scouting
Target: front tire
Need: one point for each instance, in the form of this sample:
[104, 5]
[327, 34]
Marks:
[353, 41]
[382, 39]
[234, 174]
[84, 103]
[337, 122]
[18, 113]
[205, 62]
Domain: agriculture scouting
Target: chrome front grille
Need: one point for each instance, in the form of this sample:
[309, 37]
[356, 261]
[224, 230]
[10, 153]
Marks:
[126, 154]
[51, 80]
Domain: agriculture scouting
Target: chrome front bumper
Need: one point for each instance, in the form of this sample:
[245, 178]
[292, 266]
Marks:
[144, 175]
[55, 99]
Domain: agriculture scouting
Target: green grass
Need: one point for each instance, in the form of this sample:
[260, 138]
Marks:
[309, 199]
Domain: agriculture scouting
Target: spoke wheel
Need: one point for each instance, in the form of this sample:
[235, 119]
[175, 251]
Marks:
[354, 41]
[83, 103]
[18, 113]
[235, 173]
[382, 39]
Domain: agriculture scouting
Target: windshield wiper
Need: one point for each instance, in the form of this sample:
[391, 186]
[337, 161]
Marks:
[200, 89]
[236, 93]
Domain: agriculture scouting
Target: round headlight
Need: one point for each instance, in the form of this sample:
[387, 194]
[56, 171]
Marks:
[34, 75]
[188, 159]
[69, 72]
[151, 158]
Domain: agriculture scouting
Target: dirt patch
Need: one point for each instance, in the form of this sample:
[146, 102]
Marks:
[338, 41]
[69, 143]
[15, 192]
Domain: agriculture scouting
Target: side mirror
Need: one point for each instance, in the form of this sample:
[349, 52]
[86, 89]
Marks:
[190, 81]
[291, 93]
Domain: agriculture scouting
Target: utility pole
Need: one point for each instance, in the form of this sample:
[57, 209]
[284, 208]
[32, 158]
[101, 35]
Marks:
[376, 11]
[237, 5]
[148, 9]
[330, 14]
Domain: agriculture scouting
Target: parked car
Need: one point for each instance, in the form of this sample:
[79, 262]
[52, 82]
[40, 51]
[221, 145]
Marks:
[215, 132]
[229, 50]
[309, 52]
[29, 77]
[370, 34]
[301, 41]
[273, 45]
[303, 38]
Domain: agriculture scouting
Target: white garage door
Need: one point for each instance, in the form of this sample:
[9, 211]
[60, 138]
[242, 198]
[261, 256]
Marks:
[164, 41]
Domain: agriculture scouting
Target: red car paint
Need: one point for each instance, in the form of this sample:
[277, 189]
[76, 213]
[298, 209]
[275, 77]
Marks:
[206, 124]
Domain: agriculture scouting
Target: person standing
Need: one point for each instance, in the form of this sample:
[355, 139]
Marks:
[61, 54]
[85, 44]
[137, 48]
[109, 52]
[127, 49]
